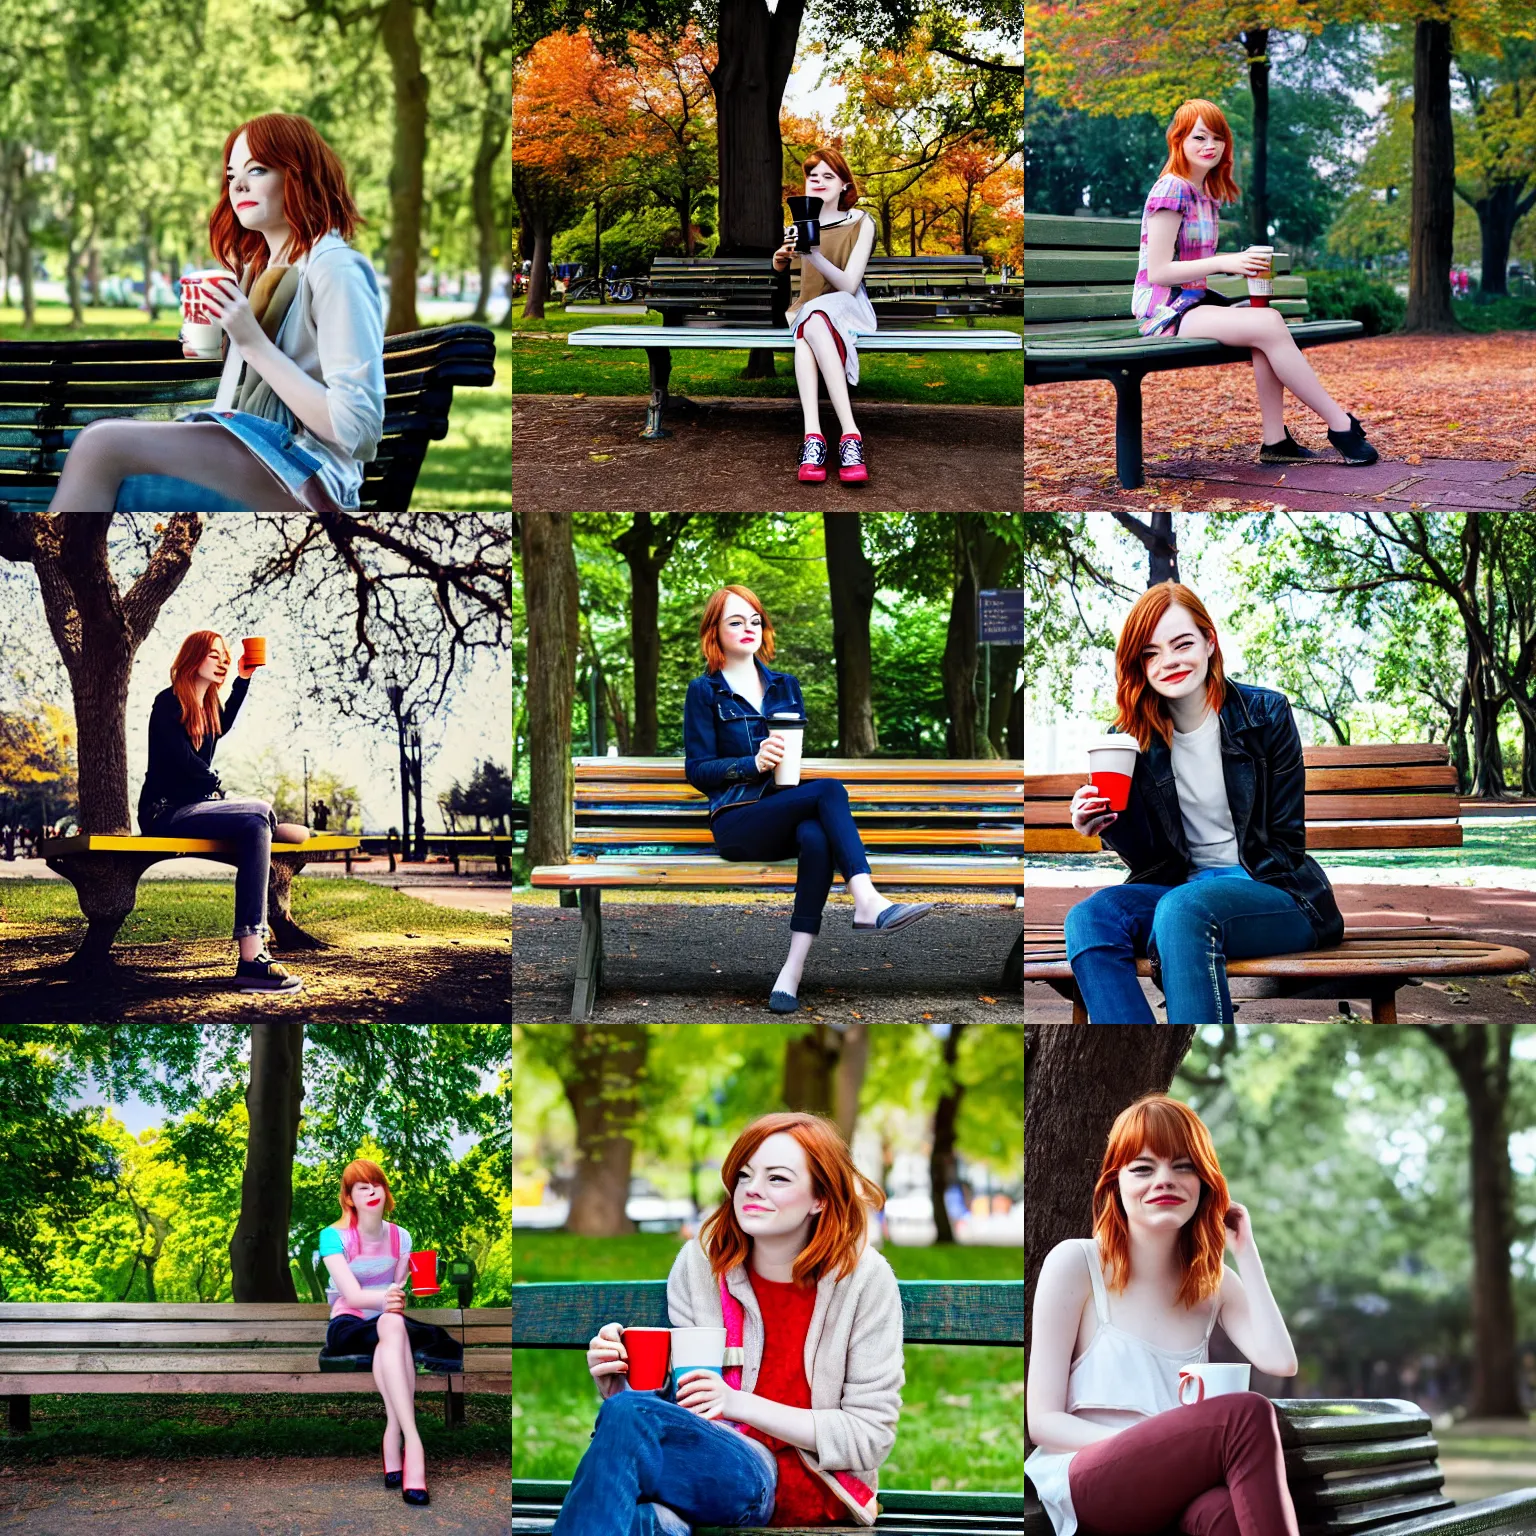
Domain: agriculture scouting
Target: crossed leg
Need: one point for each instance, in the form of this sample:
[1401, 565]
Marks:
[1264, 330]
[395, 1372]
[106, 452]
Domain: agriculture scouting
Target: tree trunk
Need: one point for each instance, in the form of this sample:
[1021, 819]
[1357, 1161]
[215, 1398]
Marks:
[1076, 1081]
[851, 582]
[397, 26]
[646, 550]
[1256, 42]
[942, 1171]
[824, 1072]
[258, 1252]
[493, 133]
[980, 558]
[538, 276]
[597, 244]
[1016, 725]
[1005, 670]
[551, 600]
[1479, 1055]
[851, 1065]
[1434, 170]
[606, 1062]
[1497, 215]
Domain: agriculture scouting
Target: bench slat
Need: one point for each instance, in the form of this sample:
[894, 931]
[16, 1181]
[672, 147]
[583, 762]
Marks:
[719, 874]
[244, 1382]
[128, 1336]
[778, 339]
[103, 842]
[228, 1362]
[1057, 813]
[221, 1312]
[872, 836]
[1326, 836]
[851, 770]
[593, 794]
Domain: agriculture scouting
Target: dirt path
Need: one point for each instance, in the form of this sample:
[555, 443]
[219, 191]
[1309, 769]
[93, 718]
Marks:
[290, 1496]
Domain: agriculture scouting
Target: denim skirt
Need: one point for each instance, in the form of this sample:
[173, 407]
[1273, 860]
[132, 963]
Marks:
[270, 441]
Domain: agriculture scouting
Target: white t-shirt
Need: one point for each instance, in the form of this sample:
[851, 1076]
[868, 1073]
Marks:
[1203, 796]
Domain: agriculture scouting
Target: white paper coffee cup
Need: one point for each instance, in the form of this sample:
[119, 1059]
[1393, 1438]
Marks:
[1261, 289]
[1111, 765]
[697, 1349]
[1198, 1382]
[790, 729]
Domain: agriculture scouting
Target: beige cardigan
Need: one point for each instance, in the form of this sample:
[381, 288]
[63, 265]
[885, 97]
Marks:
[853, 1361]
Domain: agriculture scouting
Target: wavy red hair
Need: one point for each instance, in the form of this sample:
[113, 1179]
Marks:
[361, 1171]
[837, 1234]
[1166, 1128]
[199, 710]
[846, 198]
[1142, 712]
[1218, 181]
[709, 626]
[315, 196]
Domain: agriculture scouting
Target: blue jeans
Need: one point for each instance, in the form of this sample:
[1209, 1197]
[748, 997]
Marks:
[1218, 914]
[250, 823]
[655, 1469]
[811, 819]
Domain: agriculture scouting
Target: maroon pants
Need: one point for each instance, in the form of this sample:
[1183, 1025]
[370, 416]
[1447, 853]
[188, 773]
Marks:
[1215, 1469]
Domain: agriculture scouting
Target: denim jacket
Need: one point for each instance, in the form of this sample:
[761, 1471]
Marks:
[722, 732]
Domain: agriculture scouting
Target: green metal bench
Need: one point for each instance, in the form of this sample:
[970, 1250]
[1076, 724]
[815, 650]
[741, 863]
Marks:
[1367, 1465]
[1079, 275]
[933, 1312]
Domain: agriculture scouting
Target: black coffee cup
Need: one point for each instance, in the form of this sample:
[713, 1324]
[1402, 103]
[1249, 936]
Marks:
[806, 213]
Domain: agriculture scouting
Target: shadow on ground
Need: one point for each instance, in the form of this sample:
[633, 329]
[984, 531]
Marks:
[274, 1496]
[439, 978]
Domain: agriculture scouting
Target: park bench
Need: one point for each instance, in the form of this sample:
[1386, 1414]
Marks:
[105, 869]
[1079, 275]
[245, 1347]
[735, 303]
[970, 1312]
[925, 822]
[1356, 797]
[1366, 1465]
[51, 389]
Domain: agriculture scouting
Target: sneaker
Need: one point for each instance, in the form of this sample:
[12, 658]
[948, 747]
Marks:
[264, 974]
[850, 452]
[813, 457]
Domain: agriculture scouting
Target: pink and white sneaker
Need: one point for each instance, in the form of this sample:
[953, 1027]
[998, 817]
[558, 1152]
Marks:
[813, 457]
[850, 452]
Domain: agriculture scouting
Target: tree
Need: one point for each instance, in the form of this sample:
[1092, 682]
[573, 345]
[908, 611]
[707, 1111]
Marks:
[942, 1171]
[851, 583]
[824, 1071]
[646, 549]
[1498, 159]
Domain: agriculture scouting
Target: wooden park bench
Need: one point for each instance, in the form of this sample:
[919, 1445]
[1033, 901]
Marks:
[925, 822]
[105, 869]
[51, 389]
[1079, 275]
[1356, 797]
[1366, 1465]
[69, 1347]
[736, 303]
[971, 1312]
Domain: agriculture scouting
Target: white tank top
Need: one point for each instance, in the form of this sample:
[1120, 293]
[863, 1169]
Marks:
[1118, 1371]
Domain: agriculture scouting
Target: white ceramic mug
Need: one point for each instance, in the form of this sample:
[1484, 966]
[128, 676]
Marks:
[203, 341]
[790, 729]
[1211, 1381]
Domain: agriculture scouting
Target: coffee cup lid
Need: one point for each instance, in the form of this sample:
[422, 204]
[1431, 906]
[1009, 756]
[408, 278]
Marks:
[1114, 739]
[788, 717]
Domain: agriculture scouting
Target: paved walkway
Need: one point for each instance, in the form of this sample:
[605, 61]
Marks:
[1450, 484]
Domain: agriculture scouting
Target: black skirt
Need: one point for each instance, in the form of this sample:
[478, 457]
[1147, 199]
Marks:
[353, 1336]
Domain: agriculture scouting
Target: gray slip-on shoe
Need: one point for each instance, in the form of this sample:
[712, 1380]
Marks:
[895, 916]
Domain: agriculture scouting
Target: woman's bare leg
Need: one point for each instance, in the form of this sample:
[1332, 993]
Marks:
[1271, 398]
[868, 903]
[806, 376]
[108, 451]
[832, 370]
[1266, 330]
[393, 1442]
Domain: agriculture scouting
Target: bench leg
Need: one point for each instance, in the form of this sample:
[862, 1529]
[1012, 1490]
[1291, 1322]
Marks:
[453, 1407]
[1128, 466]
[589, 957]
[286, 934]
[1079, 1007]
[660, 360]
[1013, 966]
[106, 886]
[21, 1414]
[1384, 1007]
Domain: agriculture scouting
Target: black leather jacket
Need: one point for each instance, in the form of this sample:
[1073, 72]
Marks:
[1266, 789]
[722, 732]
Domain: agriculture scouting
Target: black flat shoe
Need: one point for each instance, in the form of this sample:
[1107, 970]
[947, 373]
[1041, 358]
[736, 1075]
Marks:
[1352, 444]
[415, 1496]
[1286, 451]
[784, 1002]
[393, 1479]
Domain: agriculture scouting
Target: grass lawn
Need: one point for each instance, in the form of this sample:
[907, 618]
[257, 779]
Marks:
[543, 365]
[962, 1421]
[266, 1424]
[470, 470]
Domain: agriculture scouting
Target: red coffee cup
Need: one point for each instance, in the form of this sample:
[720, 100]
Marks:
[424, 1272]
[1111, 765]
[648, 1350]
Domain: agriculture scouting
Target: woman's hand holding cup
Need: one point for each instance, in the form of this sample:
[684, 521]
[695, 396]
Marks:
[1088, 811]
[770, 753]
[394, 1298]
[607, 1359]
[791, 235]
[1249, 263]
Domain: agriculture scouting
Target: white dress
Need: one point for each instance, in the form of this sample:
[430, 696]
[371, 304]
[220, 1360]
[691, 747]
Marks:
[1118, 1371]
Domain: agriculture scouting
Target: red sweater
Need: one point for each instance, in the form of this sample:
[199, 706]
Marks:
[802, 1498]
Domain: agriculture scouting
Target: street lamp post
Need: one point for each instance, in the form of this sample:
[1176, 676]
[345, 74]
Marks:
[396, 698]
[306, 789]
[421, 825]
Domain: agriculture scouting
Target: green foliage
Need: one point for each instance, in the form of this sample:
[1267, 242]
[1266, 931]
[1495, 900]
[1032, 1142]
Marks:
[1487, 315]
[632, 242]
[1354, 296]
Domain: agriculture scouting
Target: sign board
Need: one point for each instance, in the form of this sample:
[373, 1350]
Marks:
[1000, 616]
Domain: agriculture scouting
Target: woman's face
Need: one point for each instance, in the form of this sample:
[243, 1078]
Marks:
[1177, 657]
[740, 631]
[1159, 1193]
[255, 189]
[773, 1193]
[1203, 148]
[823, 182]
[215, 666]
[368, 1200]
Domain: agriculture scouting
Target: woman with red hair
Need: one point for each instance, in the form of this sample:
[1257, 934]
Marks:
[1179, 232]
[1214, 831]
[784, 1435]
[1103, 1400]
[731, 755]
[829, 310]
[300, 404]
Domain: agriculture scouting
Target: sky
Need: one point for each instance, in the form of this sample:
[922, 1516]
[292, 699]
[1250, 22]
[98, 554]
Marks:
[474, 724]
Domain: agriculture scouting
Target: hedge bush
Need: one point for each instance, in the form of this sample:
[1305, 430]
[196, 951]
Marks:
[1376, 304]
